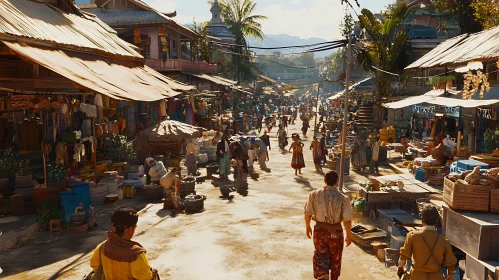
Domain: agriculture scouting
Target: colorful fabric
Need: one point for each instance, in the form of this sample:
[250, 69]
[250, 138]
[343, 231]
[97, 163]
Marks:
[297, 162]
[225, 164]
[328, 252]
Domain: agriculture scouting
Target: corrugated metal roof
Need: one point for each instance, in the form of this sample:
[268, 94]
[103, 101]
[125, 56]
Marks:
[22, 19]
[481, 46]
[432, 57]
[122, 18]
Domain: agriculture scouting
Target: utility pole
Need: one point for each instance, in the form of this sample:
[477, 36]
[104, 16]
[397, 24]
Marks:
[345, 115]
[317, 108]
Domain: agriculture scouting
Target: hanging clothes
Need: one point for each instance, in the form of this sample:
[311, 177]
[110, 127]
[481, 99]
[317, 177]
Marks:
[61, 154]
[79, 152]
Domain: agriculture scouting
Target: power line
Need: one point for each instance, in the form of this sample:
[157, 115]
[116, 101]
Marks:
[343, 41]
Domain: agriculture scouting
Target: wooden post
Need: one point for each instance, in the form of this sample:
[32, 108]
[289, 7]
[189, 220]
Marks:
[459, 143]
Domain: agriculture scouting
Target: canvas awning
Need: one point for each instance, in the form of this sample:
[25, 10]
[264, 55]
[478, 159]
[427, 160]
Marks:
[96, 74]
[267, 79]
[441, 92]
[168, 130]
[442, 101]
[215, 79]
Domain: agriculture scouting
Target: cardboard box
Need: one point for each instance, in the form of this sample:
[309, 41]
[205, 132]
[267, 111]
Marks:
[477, 234]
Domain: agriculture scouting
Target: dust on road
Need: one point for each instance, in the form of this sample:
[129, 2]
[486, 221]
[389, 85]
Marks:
[258, 236]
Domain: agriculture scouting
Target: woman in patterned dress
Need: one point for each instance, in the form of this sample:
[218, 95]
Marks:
[297, 162]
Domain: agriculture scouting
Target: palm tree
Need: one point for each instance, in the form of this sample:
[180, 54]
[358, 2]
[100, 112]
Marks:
[239, 17]
[385, 47]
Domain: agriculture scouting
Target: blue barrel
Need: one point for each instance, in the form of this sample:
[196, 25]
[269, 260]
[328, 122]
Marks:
[69, 201]
[83, 191]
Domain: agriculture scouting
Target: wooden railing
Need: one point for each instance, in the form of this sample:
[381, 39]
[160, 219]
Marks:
[182, 65]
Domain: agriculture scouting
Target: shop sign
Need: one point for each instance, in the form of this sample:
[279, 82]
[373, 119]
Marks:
[490, 114]
[423, 109]
[452, 111]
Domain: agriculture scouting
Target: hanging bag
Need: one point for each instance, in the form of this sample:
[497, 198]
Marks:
[99, 274]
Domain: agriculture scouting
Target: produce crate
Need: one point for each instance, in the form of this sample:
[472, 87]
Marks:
[494, 201]
[466, 197]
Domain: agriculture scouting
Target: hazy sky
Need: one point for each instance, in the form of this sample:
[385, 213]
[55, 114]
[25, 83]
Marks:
[302, 18]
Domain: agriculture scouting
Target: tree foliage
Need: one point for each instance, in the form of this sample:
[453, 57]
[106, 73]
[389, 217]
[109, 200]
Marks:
[486, 12]
[238, 15]
[385, 47]
[243, 23]
[204, 51]
[346, 27]
[462, 11]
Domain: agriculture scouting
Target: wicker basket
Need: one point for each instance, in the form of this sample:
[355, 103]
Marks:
[331, 164]
[152, 191]
[187, 186]
[494, 201]
[192, 206]
[466, 197]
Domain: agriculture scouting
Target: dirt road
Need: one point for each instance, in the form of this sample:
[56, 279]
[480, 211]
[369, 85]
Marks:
[258, 236]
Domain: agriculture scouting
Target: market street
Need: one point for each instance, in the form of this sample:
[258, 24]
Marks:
[260, 236]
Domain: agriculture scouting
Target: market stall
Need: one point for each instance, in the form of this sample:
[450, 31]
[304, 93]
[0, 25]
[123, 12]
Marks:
[166, 139]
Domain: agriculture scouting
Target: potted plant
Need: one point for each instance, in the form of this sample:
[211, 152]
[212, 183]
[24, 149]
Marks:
[359, 205]
[56, 175]
[10, 163]
[49, 211]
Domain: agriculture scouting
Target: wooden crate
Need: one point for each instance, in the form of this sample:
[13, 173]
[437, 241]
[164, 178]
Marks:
[480, 270]
[494, 201]
[472, 232]
[466, 197]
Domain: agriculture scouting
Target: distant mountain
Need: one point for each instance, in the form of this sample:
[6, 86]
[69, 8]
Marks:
[282, 40]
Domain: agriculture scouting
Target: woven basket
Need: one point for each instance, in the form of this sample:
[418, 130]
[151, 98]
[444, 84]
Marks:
[192, 206]
[152, 191]
[494, 201]
[466, 197]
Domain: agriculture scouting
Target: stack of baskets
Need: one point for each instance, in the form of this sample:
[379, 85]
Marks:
[194, 204]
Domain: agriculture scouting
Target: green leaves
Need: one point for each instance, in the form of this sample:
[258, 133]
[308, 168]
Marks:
[56, 173]
[10, 161]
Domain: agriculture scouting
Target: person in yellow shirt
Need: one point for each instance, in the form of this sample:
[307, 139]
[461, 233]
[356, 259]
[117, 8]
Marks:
[428, 249]
[120, 257]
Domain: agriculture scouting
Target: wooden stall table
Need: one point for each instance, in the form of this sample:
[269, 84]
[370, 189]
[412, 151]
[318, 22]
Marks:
[395, 198]
[489, 159]
[418, 151]
[397, 148]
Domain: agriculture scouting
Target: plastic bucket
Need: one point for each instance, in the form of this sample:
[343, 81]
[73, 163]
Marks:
[69, 201]
[83, 191]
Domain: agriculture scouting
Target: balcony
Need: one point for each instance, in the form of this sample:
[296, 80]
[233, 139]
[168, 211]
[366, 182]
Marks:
[182, 65]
